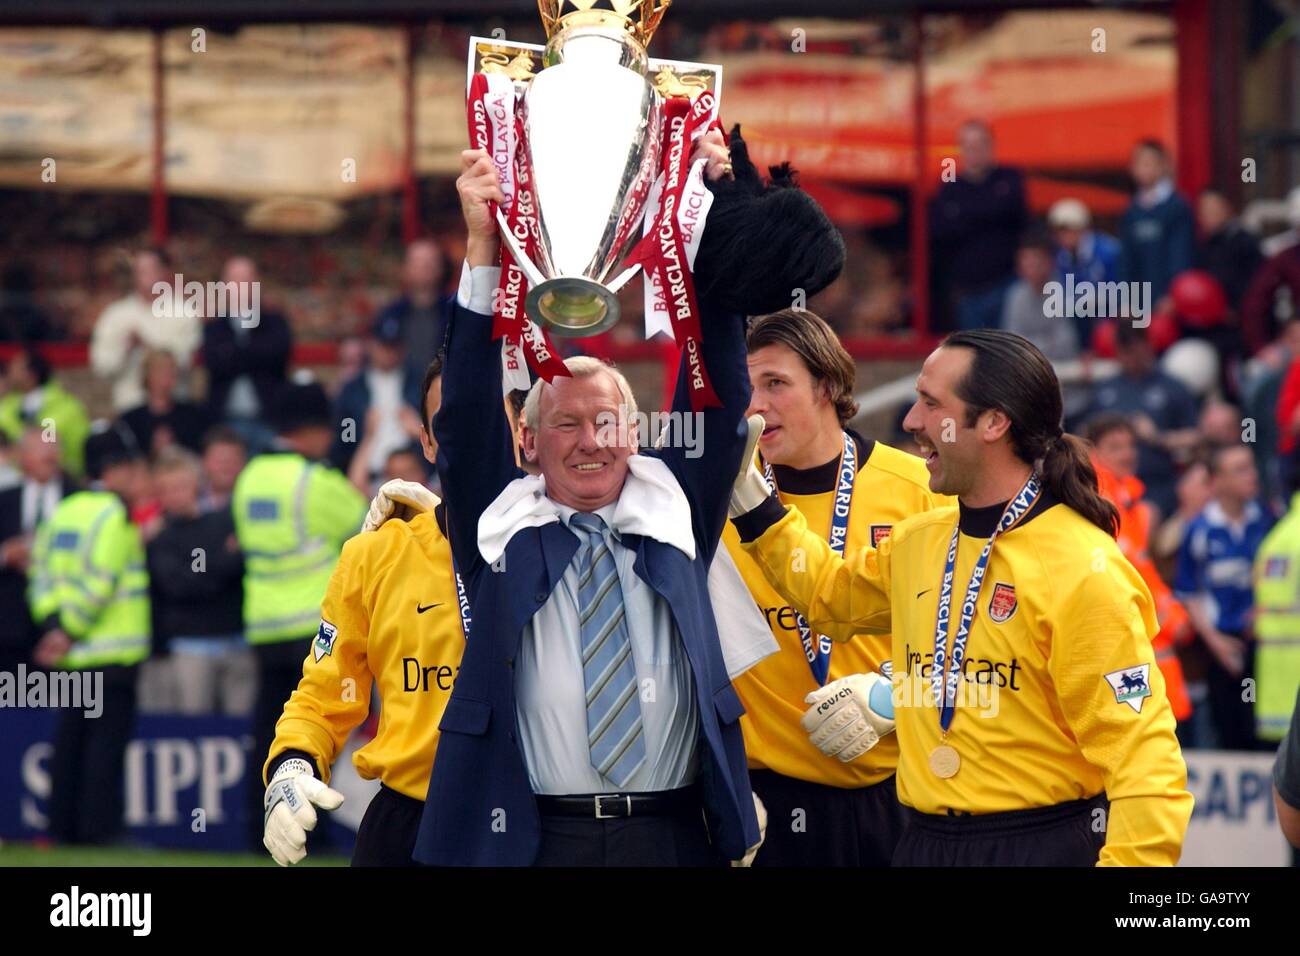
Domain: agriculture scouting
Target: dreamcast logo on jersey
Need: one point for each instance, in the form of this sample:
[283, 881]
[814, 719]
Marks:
[887, 670]
[324, 643]
[1130, 685]
[879, 532]
[1003, 603]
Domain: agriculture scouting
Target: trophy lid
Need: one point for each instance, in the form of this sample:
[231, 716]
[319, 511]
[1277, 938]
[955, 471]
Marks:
[640, 18]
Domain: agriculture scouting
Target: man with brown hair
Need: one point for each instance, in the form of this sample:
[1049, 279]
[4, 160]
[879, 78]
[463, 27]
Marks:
[833, 806]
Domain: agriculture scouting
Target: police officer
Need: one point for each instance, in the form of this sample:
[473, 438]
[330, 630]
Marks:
[89, 597]
[1277, 625]
[292, 514]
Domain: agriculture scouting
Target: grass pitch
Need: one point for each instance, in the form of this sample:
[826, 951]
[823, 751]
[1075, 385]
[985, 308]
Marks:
[30, 854]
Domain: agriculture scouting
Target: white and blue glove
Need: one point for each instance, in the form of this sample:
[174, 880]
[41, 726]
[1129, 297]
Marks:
[850, 715]
[750, 489]
[290, 803]
[399, 499]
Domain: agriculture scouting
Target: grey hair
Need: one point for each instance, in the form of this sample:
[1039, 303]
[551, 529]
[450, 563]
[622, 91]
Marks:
[580, 366]
[175, 458]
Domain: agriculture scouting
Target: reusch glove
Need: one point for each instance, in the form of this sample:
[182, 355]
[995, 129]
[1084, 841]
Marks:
[751, 488]
[290, 803]
[399, 499]
[850, 715]
[760, 811]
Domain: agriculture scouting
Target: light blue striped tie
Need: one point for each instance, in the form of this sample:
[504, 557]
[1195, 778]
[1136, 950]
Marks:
[614, 731]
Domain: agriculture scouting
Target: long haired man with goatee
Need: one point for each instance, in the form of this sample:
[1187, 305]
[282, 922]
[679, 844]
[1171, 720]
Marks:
[1032, 722]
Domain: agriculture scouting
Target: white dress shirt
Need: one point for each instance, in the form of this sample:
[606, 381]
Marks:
[386, 396]
[48, 495]
[551, 696]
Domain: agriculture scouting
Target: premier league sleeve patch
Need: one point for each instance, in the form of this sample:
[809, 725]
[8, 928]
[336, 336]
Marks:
[324, 643]
[1131, 685]
[1002, 604]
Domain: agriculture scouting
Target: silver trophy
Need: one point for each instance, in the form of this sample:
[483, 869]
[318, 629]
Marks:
[593, 116]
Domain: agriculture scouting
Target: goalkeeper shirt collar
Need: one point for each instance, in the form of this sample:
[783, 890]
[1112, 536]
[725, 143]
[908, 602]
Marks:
[820, 478]
[980, 522]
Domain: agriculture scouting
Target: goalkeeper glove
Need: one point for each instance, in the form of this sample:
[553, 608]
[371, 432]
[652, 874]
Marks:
[751, 488]
[850, 715]
[290, 812]
[399, 499]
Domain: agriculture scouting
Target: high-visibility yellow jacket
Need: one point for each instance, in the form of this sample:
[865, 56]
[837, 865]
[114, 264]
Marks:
[88, 569]
[1277, 625]
[291, 518]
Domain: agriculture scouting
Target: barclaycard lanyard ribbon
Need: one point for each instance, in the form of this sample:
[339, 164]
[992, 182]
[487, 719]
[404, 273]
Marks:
[946, 670]
[495, 126]
[662, 251]
[818, 651]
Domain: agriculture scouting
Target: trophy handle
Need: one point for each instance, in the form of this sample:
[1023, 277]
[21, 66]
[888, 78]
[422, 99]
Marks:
[530, 271]
[622, 278]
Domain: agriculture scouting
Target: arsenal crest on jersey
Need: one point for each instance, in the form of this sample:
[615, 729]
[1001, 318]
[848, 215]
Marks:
[1003, 603]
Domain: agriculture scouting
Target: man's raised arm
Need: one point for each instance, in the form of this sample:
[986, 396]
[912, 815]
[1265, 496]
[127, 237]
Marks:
[475, 447]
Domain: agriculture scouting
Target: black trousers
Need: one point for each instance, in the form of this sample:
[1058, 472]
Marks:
[279, 667]
[1234, 718]
[387, 833]
[87, 768]
[678, 839]
[1067, 834]
[810, 824]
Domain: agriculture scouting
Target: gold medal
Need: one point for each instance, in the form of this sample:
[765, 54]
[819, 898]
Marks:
[944, 762]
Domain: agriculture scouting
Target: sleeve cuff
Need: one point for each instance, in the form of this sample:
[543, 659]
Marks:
[284, 755]
[751, 525]
[476, 287]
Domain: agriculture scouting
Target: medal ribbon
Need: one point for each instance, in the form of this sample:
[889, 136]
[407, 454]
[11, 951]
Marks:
[818, 651]
[943, 680]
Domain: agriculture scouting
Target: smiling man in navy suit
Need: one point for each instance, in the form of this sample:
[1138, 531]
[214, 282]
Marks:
[593, 721]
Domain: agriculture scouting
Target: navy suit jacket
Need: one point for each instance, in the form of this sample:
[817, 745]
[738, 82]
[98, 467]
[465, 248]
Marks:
[481, 810]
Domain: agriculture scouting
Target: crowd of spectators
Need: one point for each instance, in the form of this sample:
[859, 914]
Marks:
[1199, 365]
[194, 393]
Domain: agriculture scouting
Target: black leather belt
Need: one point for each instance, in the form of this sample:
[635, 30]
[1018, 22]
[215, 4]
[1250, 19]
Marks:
[607, 806]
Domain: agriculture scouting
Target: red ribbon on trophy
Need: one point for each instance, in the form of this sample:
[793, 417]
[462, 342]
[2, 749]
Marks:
[495, 126]
[662, 252]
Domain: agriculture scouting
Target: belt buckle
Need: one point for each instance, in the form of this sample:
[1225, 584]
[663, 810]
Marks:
[601, 815]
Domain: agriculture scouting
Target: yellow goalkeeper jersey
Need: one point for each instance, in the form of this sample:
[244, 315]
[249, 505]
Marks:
[1060, 697]
[391, 614]
[891, 485]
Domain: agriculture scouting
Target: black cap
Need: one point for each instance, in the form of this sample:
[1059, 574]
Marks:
[301, 406]
[114, 445]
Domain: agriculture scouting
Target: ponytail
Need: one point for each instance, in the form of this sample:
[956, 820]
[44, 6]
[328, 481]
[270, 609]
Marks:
[1067, 472]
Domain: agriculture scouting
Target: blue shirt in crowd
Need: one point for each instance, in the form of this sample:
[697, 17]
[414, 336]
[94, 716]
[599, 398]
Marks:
[1215, 561]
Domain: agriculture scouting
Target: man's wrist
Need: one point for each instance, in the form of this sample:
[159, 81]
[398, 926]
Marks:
[482, 251]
